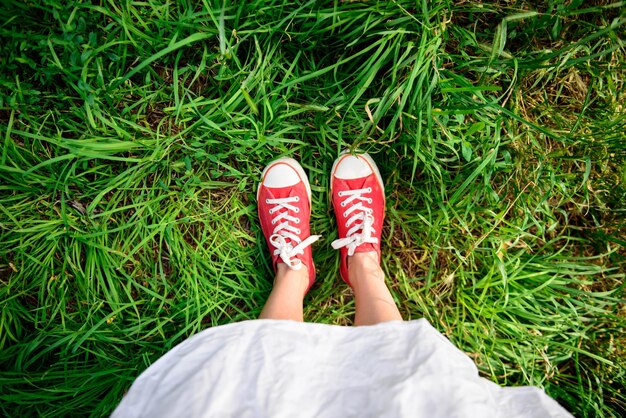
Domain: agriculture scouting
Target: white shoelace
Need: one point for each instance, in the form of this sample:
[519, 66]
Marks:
[363, 214]
[284, 231]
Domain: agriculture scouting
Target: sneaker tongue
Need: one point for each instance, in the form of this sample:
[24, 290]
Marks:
[283, 192]
[365, 248]
[279, 192]
[358, 183]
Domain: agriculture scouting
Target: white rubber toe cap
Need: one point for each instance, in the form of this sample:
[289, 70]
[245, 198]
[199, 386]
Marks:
[281, 175]
[284, 172]
[352, 167]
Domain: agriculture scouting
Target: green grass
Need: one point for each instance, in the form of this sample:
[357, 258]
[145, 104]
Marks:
[134, 133]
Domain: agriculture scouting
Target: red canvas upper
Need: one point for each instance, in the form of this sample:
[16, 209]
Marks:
[359, 206]
[284, 213]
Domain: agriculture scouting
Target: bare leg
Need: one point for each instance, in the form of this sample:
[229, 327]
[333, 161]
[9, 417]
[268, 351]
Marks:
[285, 301]
[374, 303]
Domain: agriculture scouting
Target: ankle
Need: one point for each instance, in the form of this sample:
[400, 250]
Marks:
[364, 266]
[296, 279]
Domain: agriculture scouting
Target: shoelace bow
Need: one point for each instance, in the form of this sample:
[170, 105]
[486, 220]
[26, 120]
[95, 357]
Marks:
[363, 214]
[285, 231]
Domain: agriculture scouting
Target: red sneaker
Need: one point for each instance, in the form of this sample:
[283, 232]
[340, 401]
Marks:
[284, 200]
[358, 197]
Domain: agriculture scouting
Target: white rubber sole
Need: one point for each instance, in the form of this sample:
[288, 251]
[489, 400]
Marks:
[293, 164]
[367, 158]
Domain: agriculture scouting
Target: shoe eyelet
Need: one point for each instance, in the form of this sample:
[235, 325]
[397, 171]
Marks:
[369, 190]
[297, 210]
[273, 221]
[343, 204]
[267, 201]
[298, 231]
[369, 201]
[271, 211]
[297, 198]
[345, 214]
[346, 224]
[297, 220]
[340, 194]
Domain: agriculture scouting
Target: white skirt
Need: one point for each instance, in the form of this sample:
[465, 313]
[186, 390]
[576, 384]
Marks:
[267, 368]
